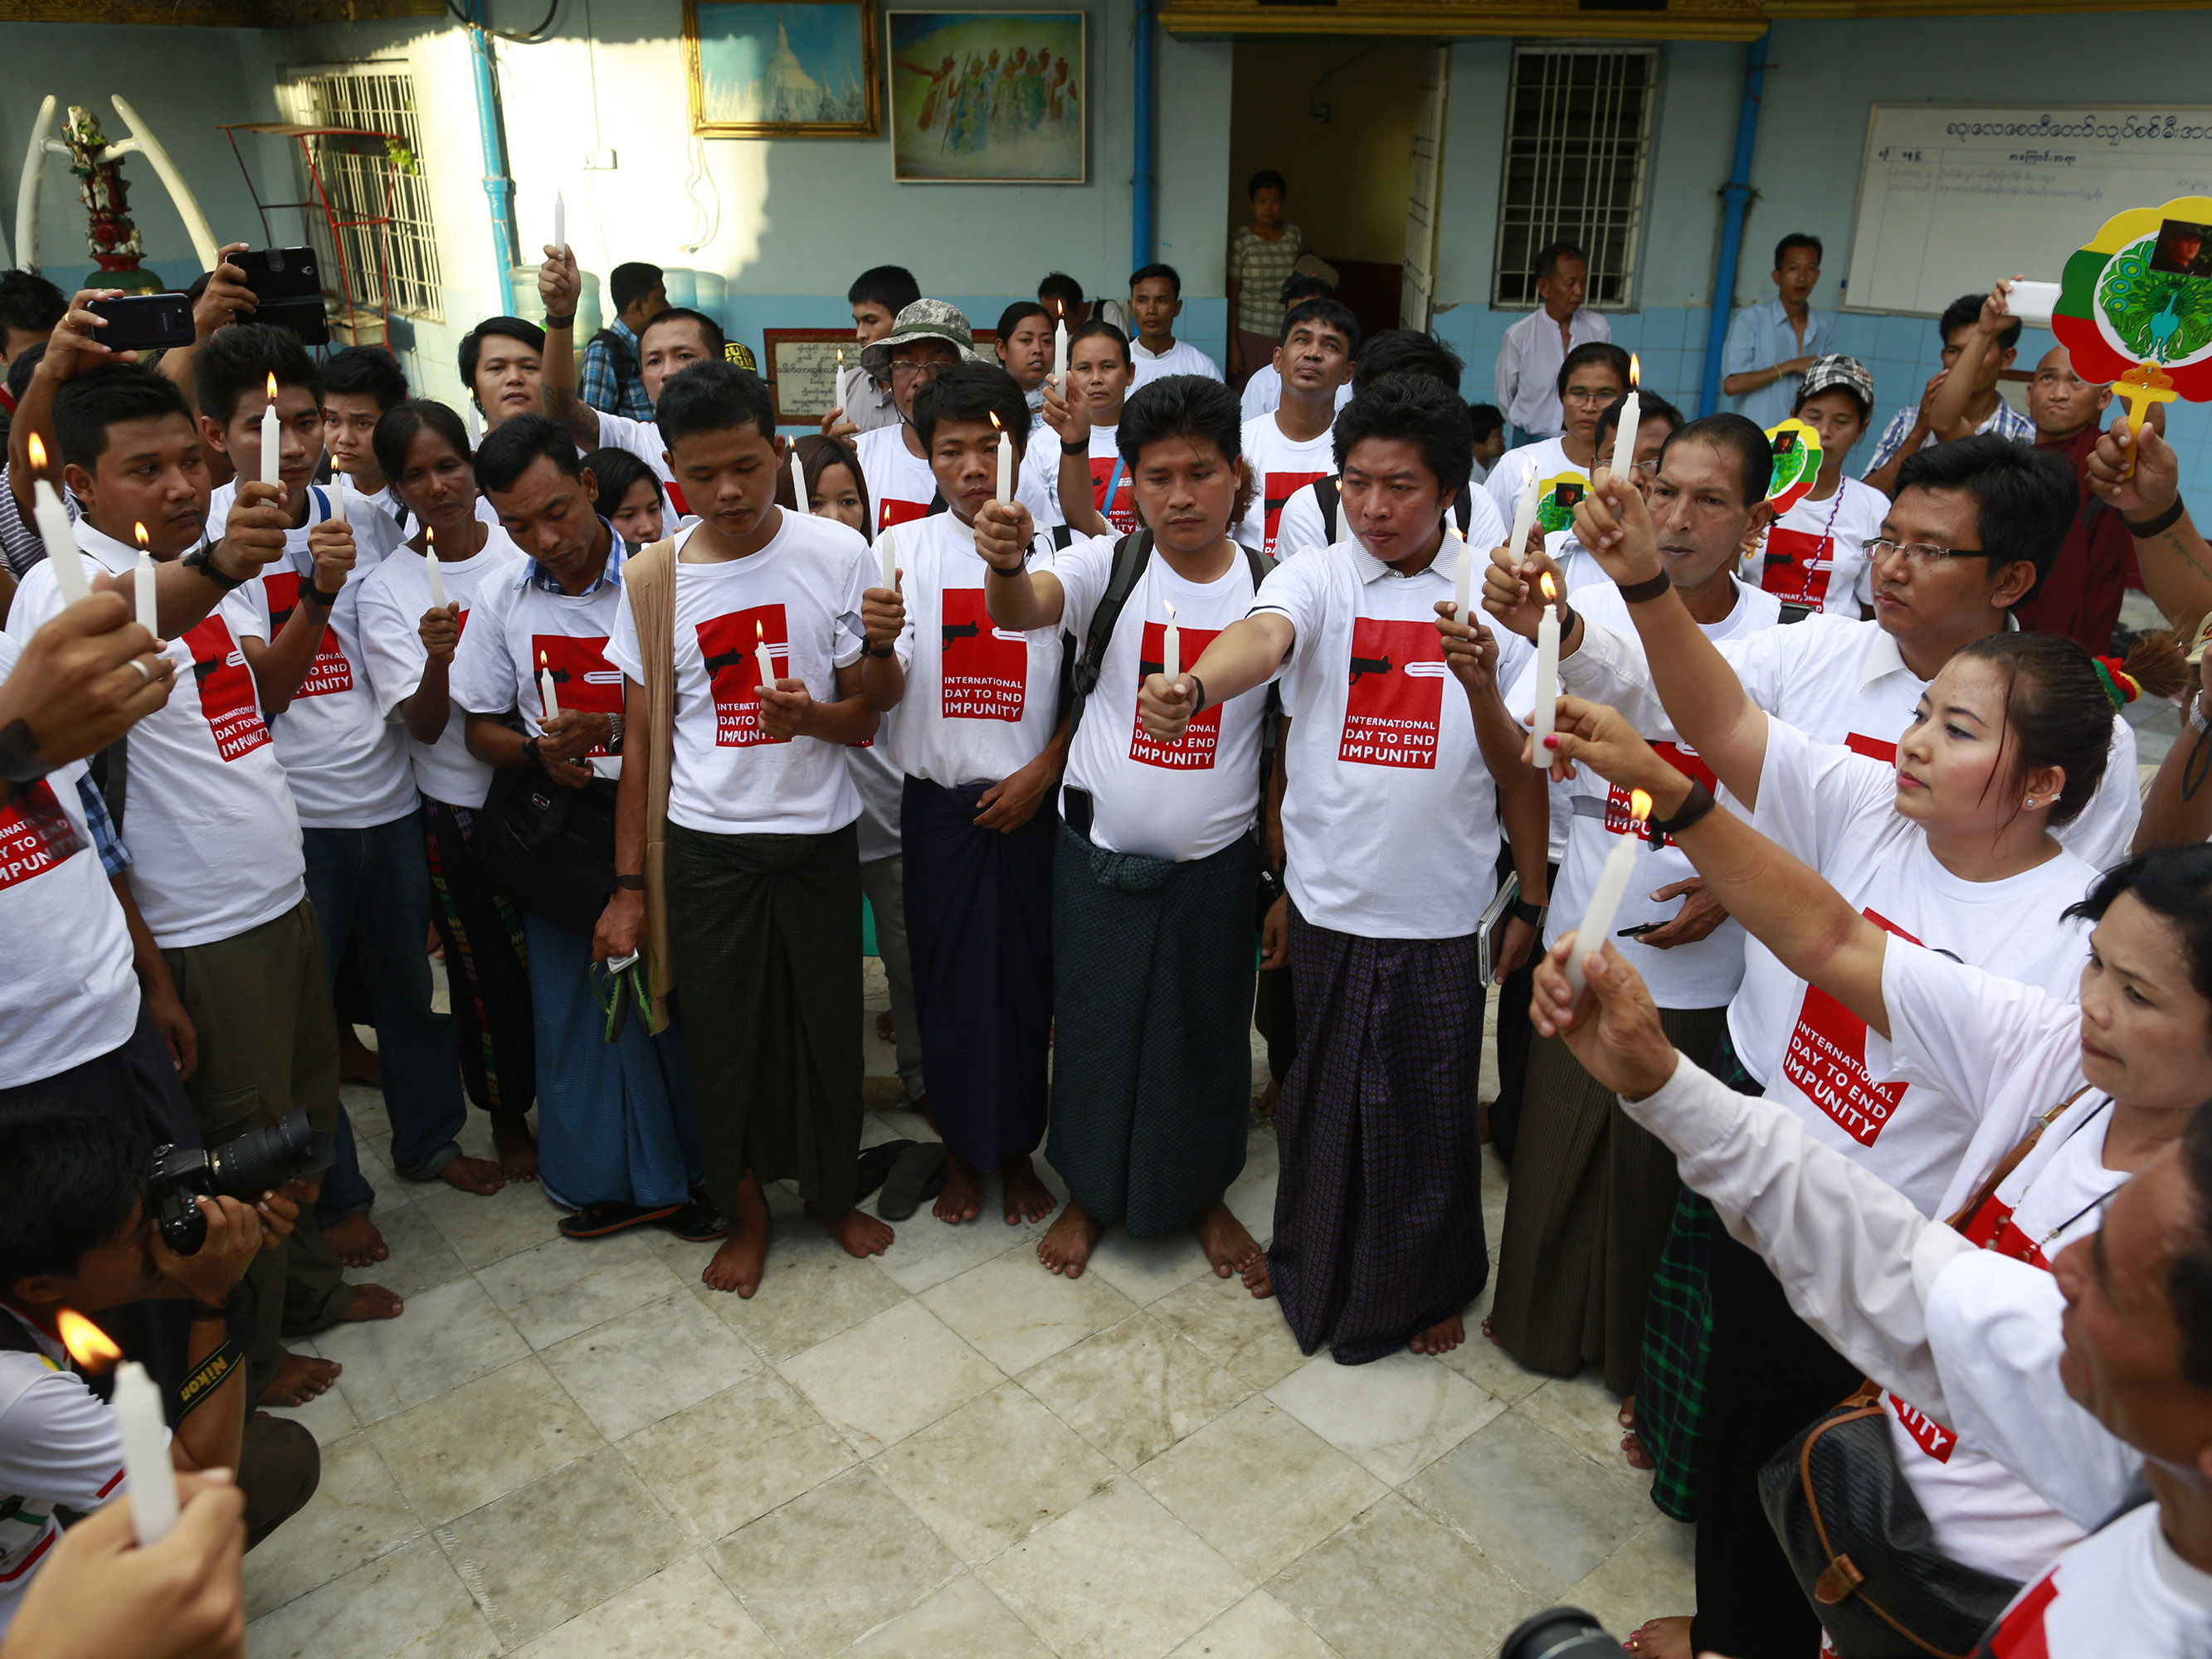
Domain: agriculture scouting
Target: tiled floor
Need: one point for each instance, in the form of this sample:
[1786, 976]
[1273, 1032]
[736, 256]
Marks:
[576, 1449]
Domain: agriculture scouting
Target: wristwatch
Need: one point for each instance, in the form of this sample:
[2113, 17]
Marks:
[1531, 913]
[530, 756]
[569, 321]
[871, 651]
[313, 595]
[201, 559]
[614, 734]
[2197, 723]
[1080, 448]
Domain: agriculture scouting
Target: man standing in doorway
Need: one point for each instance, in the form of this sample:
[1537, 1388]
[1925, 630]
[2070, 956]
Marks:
[1772, 344]
[1529, 360]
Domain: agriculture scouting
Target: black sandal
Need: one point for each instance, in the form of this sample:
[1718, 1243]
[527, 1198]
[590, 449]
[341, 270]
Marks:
[696, 1223]
[918, 1175]
[876, 1163]
[604, 1219]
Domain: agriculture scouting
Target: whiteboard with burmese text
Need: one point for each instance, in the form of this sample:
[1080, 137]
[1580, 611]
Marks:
[1953, 196]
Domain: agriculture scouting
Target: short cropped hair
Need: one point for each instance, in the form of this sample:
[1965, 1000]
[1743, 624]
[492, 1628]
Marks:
[1965, 310]
[1547, 259]
[1487, 418]
[513, 447]
[87, 405]
[713, 395]
[2025, 498]
[972, 391]
[1298, 286]
[1096, 329]
[1406, 352]
[1330, 313]
[237, 361]
[1593, 351]
[371, 371]
[510, 328]
[631, 282]
[891, 287]
[1182, 406]
[1736, 435]
[30, 303]
[1059, 288]
[1420, 410]
[1145, 273]
[1798, 239]
[1652, 408]
[395, 433]
[616, 473]
[710, 331]
[68, 1184]
[1267, 179]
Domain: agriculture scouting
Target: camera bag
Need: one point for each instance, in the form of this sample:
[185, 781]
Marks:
[547, 849]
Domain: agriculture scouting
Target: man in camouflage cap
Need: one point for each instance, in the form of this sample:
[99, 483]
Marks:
[929, 336]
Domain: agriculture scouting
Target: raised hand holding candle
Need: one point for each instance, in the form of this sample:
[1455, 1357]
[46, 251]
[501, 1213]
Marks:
[1004, 492]
[142, 587]
[137, 1403]
[1463, 582]
[430, 567]
[272, 440]
[1631, 416]
[1059, 352]
[761, 658]
[1170, 644]
[545, 693]
[560, 221]
[1605, 898]
[55, 532]
[1524, 521]
[1547, 677]
[891, 562]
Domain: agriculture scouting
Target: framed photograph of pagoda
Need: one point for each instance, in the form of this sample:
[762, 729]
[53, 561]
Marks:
[773, 69]
[986, 97]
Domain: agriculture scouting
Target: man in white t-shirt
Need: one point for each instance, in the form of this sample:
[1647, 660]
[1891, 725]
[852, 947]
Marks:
[981, 739]
[1399, 782]
[234, 927]
[360, 383]
[1290, 448]
[1083, 481]
[1155, 302]
[1531, 354]
[1153, 876]
[761, 879]
[928, 337]
[1593, 377]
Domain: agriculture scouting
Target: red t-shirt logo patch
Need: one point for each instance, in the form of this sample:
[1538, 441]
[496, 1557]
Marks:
[985, 670]
[1797, 566]
[1202, 736]
[332, 672]
[2020, 1634]
[1826, 1059]
[35, 835]
[1683, 760]
[1280, 487]
[1122, 515]
[226, 688]
[899, 512]
[731, 646]
[584, 681]
[1872, 748]
[1396, 698]
[1926, 1433]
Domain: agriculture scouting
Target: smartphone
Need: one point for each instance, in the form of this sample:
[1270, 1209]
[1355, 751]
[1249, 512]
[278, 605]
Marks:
[140, 321]
[287, 282]
[1639, 932]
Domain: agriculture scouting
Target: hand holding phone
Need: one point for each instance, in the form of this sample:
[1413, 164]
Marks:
[138, 322]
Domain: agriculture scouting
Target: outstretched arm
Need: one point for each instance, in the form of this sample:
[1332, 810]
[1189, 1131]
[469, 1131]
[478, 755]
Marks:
[2178, 811]
[2141, 478]
[559, 287]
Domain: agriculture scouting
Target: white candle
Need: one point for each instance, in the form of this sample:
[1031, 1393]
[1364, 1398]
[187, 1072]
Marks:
[338, 497]
[797, 478]
[141, 588]
[1605, 898]
[1059, 356]
[890, 560]
[1004, 492]
[559, 219]
[1463, 583]
[1171, 644]
[430, 567]
[476, 427]
[136, 1404]
[761, 658]
[1548, 678]
[551, 702]
[1624, 440]
[1524, 521]
[272, 440]
[55, 530]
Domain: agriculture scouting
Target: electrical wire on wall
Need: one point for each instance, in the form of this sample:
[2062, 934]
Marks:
[707, 221]
[533, 38]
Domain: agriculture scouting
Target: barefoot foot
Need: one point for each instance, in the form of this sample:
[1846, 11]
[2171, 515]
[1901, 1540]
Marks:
[860, 1233]
[1231, 1249]
[737, 1265]
[371, 1302]
[1636, 1453]
[1660, 1638]
[518, 1150]
[299, 1380]
[963, 1197]
[1440, 1338]
[1026, 1198]
[1065, 1247]
[885, 1031]
[479, 1176]
[357, 1242]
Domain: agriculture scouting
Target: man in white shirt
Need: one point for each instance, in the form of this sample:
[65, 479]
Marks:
[864, 399]
[1156, 857]
[1292, 448]
[1772, 344]
[1263, 392]
[1378, 1239]
[359, 385]
[502, 363]
[1155, 302]
[1530, 356]
[1083, 483]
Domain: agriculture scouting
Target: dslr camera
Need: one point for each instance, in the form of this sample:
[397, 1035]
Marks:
[242, 1168]
[1560, 1633]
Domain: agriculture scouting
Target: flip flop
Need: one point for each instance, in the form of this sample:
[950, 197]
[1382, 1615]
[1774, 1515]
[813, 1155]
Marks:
[604, 1219]
[696, 1223]
[876, 1163]
[918, 1175]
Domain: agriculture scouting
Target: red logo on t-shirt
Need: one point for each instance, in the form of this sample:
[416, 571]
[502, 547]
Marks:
[985, 669]
[731, 646]
[1872, 748]
[896, 511]
[1280, 487]
[226, 685]
[1195, 751]
[1396, 698]
[1683, 760]
[1797, 566]
[2020, 1634]
[1826, 1059]
[675, 498]
[1926, 1433]
[584, 681]
[1123, 513]
[332, 672]
[35, 835]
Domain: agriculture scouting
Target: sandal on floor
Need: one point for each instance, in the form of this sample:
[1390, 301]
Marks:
[876, 1164]
[919, 1175]
[697, 1223]
[604, 1219]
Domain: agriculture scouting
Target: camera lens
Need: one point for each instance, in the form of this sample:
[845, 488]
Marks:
[1560, 1633]
[262, 1158]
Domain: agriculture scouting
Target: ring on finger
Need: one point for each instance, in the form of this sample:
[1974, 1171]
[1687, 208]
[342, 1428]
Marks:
[145, 674]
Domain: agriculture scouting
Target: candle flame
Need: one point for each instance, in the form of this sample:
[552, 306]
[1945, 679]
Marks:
[139, 531]
[430, 548]
[995, 426]
[542, 664]
[88, 1345]
[1171, 610]
[272, 385]
[38, 455]
[1551, 590]
[760, 633]
[1639, 806]
[1635, 371]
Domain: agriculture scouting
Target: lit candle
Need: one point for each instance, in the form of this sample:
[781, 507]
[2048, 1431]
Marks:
[271, 439]
[560, 221]
[1524, 521]
[1547, 676]
[797, 478]
[430, 567]
[142, 587]
[1463, 584]
[761, 658]
[1006, 490]
[137, 1403]
[890, 561]
[1059, 352]
[1631, 416]
[1171, 644]
[338, 497]
[55, 532]
[545, 695]
[1605, 898]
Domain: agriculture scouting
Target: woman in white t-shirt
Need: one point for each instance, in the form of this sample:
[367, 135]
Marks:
[409, 643]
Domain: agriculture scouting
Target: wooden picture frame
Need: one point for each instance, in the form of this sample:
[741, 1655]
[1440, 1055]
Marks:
[1014, 111]
[749, 79]
[800, 367]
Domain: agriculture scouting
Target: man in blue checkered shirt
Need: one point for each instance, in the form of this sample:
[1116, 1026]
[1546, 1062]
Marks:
[609, 380]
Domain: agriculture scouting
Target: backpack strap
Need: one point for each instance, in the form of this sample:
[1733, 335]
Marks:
[1794, 613]
[649, 586]
[625, 361]
[1131, 554]
[1325, 497]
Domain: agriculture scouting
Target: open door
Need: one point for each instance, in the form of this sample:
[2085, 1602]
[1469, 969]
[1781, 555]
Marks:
[1418, 296]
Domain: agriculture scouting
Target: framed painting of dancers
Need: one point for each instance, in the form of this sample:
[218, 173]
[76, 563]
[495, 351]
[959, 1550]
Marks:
[986, 97]
[782, 68]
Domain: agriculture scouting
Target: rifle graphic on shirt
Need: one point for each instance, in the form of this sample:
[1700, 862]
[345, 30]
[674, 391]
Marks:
[722, 659]
[202, 671]
[961, 631]
[1369, 665]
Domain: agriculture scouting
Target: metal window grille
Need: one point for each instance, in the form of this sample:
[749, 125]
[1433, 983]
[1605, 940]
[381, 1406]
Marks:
[1578, 126]
[378, 99]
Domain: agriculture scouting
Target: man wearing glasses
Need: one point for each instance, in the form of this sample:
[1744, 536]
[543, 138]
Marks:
[1974, 526]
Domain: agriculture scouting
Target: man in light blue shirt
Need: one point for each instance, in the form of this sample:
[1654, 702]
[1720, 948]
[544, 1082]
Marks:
[1770, 346]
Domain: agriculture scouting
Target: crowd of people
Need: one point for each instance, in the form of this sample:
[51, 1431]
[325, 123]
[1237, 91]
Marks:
[1136, 706]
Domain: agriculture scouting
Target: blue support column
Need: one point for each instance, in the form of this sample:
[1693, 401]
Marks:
[1144, 196]
[1737, 200]
[499, 189]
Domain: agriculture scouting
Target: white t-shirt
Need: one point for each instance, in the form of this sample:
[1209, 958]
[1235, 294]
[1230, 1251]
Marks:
[642, 438]
[1391, 821]
[208, 812]
[1039, 480]
[69, 994]
[1546, 458]
[520, 626]
[393, 602]
[347, 761]
[1280, 468]
[981, 702]
[1183, 801]
[1815, 555]
[901, 486]
[800, 595]
[1181, 358]
[1839, 680]
[1836, 810]
[1702, 974]
[2123, 1594]
[376, 532]
[1301, 527]
[1263, 393]
[60, 1448]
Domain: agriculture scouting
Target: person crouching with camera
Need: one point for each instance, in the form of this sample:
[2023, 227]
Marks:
[77, 1233]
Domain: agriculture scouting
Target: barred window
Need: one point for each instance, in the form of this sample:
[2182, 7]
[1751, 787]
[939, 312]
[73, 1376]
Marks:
[377, 98]
[1577, 128]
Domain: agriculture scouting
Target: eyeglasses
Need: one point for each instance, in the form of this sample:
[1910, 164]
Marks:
[1922, 556]
[1645, 469]
[906, 369]
[1577, 394]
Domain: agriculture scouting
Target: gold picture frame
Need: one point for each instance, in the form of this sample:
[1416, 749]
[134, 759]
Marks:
[988, 97]
[783, 69]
